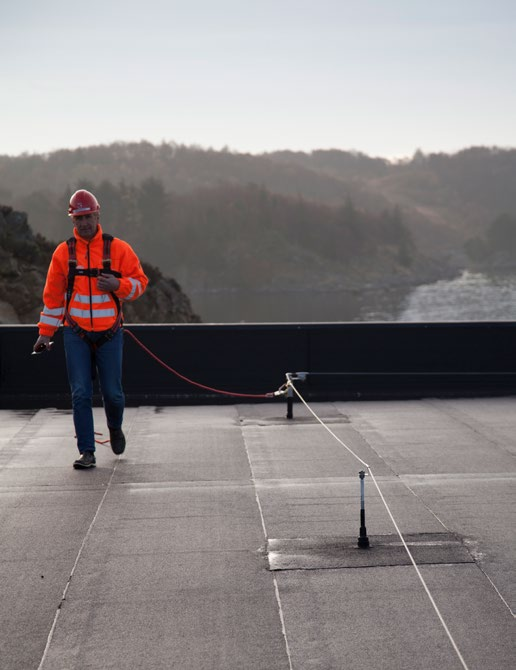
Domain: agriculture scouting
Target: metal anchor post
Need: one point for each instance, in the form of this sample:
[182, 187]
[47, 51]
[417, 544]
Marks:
[363, 540]
[290, 403]
[293, 376]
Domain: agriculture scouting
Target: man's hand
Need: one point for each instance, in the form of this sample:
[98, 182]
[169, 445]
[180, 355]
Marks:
[107, 283]
[43, 342]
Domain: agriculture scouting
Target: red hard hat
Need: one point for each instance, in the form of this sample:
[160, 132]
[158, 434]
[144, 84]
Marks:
[83, 202]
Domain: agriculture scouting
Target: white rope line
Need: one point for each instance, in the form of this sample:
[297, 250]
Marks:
[409, 553]
[421, 579]
[330, 431]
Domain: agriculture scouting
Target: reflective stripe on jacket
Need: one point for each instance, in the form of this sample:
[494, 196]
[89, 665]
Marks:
[90, 308]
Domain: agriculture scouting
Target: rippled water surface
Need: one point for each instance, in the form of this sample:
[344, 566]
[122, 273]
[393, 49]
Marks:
[470, 297]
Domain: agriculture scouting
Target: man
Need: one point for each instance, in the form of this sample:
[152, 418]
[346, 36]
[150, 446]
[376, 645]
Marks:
[89, 277]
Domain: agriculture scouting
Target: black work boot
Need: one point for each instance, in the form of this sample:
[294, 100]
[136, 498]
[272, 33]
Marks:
[86, 460]
[117, 439]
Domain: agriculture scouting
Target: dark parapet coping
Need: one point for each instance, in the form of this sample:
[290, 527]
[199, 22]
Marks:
[332, 552]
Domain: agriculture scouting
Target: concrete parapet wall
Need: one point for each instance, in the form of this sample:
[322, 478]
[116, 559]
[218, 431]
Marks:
[374, 361]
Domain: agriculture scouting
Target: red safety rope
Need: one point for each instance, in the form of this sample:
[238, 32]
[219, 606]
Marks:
[190, 381]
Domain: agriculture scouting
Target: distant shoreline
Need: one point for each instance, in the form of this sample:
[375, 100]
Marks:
[384, 283]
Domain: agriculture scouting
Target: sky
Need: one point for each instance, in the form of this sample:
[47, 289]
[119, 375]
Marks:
[380, 77]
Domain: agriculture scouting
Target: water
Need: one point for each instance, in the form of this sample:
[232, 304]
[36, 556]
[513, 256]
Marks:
[469, 297]
[292, 306]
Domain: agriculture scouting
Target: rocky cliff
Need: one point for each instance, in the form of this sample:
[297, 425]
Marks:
[24, 259]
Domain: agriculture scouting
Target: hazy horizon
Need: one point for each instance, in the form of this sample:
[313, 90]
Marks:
[382, 79]
[391, 159]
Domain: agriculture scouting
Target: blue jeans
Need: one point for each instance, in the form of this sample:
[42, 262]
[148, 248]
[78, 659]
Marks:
[108, 359]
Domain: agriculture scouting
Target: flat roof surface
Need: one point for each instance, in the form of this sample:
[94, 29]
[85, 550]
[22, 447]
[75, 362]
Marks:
[225, 537]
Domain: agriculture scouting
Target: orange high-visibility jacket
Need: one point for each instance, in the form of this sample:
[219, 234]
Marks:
[90, 308]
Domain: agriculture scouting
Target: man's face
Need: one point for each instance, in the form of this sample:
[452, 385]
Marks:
[86, 225]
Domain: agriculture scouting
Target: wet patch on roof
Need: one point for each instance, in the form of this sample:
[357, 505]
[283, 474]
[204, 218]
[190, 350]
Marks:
[324, 553]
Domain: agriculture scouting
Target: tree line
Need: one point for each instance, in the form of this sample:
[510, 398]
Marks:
[234, 236]
[165, 196]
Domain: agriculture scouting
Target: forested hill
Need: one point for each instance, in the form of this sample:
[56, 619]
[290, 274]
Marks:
[220, 219]
[234, 236]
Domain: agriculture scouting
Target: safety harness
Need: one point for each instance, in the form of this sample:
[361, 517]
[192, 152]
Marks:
[74, 271]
